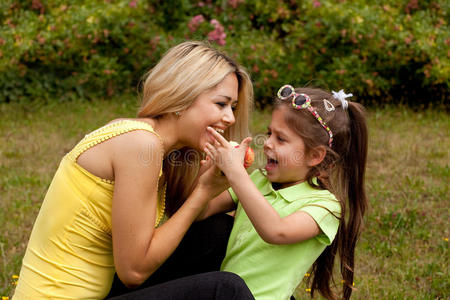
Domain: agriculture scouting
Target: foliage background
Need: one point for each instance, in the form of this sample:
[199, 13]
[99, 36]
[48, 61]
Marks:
[382, 51]
[385, 52]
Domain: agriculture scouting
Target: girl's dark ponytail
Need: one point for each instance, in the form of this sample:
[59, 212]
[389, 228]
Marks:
[354, 166]
[351, 147]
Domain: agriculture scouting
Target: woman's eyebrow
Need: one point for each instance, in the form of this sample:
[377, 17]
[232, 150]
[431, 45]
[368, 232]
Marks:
[227, 97]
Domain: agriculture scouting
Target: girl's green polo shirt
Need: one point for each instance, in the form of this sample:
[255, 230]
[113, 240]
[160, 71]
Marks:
[272, 272]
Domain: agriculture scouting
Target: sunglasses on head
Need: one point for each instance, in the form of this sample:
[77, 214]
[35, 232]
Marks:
[302, 101]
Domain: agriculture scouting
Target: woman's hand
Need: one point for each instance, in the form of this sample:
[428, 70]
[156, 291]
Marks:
[224, 155]
[211, 180]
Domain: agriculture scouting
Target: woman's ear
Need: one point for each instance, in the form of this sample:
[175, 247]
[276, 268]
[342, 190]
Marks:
[316, 156]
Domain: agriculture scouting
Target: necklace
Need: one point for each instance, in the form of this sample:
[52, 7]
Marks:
[161, 205]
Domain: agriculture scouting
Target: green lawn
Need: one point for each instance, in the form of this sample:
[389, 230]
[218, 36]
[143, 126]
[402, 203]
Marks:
[403, 252]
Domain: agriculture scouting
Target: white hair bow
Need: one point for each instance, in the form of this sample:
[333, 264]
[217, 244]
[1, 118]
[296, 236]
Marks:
[341, 95]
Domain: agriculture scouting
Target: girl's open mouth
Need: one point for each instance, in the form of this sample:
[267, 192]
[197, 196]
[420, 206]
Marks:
[271, 164]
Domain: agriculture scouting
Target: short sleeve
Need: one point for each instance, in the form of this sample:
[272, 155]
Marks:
[233, 195]
[326, 213]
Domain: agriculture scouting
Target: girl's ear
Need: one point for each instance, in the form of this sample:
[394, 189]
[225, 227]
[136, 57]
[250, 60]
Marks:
[316, 156]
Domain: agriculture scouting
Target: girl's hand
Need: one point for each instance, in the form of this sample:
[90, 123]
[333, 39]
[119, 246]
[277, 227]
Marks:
[224, 155]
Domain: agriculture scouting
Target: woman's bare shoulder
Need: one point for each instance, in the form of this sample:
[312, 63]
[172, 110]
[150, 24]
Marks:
[137, 145]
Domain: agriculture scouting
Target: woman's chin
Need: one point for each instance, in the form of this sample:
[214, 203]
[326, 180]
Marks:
[201, 146]
[207, 138]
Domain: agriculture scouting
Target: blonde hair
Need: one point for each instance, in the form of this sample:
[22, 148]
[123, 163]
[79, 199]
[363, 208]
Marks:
[186, 71]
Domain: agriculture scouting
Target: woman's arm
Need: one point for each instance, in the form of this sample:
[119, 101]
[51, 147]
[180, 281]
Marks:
[139, 249]
[222, 203]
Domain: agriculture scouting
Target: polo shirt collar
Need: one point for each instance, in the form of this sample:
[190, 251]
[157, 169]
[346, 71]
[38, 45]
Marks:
[290, 193]
[266, 189]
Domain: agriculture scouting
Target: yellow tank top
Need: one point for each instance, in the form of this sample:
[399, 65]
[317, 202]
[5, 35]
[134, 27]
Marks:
[69, 254]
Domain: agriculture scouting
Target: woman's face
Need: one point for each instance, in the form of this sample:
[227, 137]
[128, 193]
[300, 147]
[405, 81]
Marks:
[212, 108]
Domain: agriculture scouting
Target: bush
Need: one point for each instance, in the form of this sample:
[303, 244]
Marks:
[85, 49]
[382, 51]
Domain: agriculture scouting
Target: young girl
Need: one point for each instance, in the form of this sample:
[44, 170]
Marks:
[307, 205]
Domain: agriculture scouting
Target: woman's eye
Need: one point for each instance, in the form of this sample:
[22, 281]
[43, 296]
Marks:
[280, 139]
[221, 104]
[269, 133]
[233, 108]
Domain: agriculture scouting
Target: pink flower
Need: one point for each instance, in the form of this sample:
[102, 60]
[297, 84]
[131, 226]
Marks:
[154, 42]
[195, 22]
[316, 3]
[274, 73]
[133, 3]
[408, 40]
[234, 3]
[215, 22]
[37, 5]
[218, 35]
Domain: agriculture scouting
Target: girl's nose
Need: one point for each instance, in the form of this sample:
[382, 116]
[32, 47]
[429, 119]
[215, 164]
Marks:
[267, 143]
[228, 117]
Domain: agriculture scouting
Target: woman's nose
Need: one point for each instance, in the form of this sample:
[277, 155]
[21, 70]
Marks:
[228, 117]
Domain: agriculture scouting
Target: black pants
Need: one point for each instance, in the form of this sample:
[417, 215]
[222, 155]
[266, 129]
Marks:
[201, 250]
[205, 286]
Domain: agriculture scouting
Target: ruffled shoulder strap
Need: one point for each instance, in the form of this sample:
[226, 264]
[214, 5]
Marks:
[107, 132]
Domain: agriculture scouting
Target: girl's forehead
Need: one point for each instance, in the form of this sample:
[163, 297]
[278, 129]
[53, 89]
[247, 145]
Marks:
[278, 116]
[278, 122]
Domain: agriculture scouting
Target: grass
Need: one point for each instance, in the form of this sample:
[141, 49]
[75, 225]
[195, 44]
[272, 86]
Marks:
[402, 254]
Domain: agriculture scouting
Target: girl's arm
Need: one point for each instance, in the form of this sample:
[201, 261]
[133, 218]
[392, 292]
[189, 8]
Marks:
[139, 249]
[273, 229]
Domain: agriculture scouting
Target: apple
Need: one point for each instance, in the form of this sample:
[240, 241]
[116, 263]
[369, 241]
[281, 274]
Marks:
[249, 155]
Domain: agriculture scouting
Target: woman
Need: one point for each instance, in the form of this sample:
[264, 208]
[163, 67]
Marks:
[123, 198]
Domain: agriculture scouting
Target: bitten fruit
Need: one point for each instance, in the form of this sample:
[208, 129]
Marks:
[249, 155]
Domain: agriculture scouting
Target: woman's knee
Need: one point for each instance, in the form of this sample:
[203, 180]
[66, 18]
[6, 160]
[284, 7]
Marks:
[231, 278]
[234, 285]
